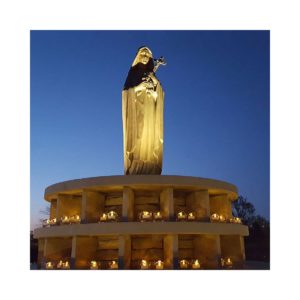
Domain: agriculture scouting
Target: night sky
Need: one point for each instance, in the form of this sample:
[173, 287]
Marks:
[216, 119]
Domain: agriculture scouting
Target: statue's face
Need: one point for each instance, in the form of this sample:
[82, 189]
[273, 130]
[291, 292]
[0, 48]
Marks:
[144, 56]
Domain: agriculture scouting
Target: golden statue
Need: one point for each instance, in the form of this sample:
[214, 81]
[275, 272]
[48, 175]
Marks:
[142, 113]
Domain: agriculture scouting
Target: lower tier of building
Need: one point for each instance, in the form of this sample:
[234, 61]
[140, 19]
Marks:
[134, 245]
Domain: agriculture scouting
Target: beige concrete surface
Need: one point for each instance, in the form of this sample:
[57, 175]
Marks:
[147, 182]
[142, 228]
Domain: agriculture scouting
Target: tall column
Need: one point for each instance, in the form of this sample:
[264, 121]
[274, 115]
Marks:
[124, 252]
[167, 204]
[229, 206]
[73, 253]
[128, 204]
[58, 208]
[218, 250]
[199, 203]
[53, 209]
[83, 207]
[207, 249]
[221, 204]
[44, 254]
[171, 251]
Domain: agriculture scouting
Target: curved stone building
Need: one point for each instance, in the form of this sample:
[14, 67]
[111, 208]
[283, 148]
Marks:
[141, 222]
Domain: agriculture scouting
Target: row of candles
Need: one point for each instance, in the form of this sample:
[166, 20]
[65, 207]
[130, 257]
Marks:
[183, 216]
[144, 264]
[157, 216]
[61, 265]
[144, 216]
[75, 219]
[226, 262]
[109, 216]
[189, 264]
[95, 265]
[222, 219]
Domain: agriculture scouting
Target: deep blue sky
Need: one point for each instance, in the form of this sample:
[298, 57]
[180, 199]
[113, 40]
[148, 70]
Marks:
[216, 116]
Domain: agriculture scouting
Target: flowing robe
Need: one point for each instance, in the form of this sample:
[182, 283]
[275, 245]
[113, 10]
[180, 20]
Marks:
[142, 114]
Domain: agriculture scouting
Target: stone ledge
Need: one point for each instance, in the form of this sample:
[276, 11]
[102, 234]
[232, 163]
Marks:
[135, 228]
[149, 182]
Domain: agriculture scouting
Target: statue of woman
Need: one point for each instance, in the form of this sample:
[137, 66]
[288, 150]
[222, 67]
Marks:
[142, 113]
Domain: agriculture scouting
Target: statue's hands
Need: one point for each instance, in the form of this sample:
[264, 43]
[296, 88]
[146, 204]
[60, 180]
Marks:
[142, 86]
[149, 83]
[152, 78]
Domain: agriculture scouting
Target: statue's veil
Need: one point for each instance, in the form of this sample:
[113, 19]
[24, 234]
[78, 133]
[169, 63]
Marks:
[136, 59]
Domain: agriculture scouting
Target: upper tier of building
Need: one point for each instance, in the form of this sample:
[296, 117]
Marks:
[142, 182]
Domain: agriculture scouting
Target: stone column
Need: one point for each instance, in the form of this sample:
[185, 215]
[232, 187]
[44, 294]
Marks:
[58, 208]
[167, 204]
[53, 209]
[44, 254]
[92, 206]
[73, 253]
[199, 203]
[171, 251]
[83, 208]
[233, 246]
[124, 252]
[207, 249]
[221, 204]
[128, 205]
[218, 251]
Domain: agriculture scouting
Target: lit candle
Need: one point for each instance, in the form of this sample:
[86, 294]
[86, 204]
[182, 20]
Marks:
[59, 265]
[53, 221]
[181, 216]
[49, 265]
[46, 223]
[103, 217]
[237, 220]
[144, 265]
[222, 262]
[222, 219]
[65, 219]
[228, 262]
[114, 265]
[214, 217]
[196, 264]
[93, 265]
[75, 219]
[66, 265]
[145, 216]
[183, 264]
[157, 216]
[191, 216]
[112, 216]
[159, 265]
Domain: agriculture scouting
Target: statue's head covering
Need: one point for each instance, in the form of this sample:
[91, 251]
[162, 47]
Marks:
[137, 57]
[139, 70]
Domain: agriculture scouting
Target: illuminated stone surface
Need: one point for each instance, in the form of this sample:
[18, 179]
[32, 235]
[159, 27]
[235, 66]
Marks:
[128, 241]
